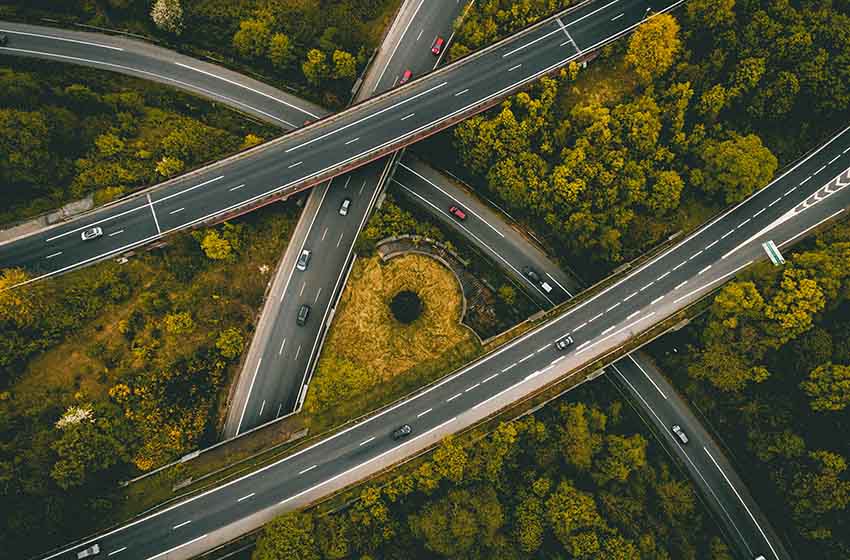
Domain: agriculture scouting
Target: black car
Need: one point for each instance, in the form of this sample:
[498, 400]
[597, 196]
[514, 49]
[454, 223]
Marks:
[402, 432]
[3, 39]
[531, 274]
[303, 314]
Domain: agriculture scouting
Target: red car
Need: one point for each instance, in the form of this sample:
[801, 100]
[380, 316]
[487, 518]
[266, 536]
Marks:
[437, 47]
[458, 213]
[405, 77]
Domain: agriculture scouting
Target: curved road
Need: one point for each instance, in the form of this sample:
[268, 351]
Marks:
[808, 194]
[328, 147]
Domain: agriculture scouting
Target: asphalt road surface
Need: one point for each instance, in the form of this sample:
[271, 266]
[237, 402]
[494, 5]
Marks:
[807, 195]
[328, 147]
[282, 353]
[656, 400]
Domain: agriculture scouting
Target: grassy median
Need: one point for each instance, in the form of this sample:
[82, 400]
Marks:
[371, 357]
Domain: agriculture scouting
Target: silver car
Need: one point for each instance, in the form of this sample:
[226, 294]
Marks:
[679, 433]
[91, 233]
[93, 550]
[303, 260]
[346, 204]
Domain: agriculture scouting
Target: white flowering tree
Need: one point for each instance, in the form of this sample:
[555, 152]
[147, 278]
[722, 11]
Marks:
[168, 15]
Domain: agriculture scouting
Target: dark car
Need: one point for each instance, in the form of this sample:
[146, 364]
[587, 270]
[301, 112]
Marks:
[405, 77]
[3, 39]
[303, 314]
[531, 274]
[438, 45]
[458, 213]
[402, 432]
[564, 342]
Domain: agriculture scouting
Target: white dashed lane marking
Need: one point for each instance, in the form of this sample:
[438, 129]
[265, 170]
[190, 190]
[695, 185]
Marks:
[367, 441]
[704, 270]
[450, 399]
[243, 498]
[656, 300]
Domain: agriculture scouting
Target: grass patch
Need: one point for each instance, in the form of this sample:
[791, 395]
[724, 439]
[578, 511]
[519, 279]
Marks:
[370, 357]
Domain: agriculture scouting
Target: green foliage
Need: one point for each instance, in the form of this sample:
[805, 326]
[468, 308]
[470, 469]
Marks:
[281, 51]
[288, 536]
[215, 246]
[345, 65]
[230, 343]
[178, 323]
[653, 47]
[315, 67]
[828, 386]
[736, 167]
[254, 37]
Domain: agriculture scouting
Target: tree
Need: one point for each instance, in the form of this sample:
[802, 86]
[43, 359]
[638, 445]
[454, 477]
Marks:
[574, 519]
[281, 51]
[460, 523]
[508, 294]
[450, 460]
[87, 445]
[17, 305]
[828, 386]
[725, 368]
[230, 343]
[335, 381]
[666, 191]
[736, 167]
[290, 535]
[216, 247]
[315, 68]
[250, 141]
[168, 15]
[169, 166]
[24, 142]
[179, 323]
[578, 444]
[529, 524]
[653, 47]
[819, 487]
[345, 65]
[253, 38]
[623, 455]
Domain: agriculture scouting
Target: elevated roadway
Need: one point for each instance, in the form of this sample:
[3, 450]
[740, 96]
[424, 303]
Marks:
[332, 145]
[807, 195]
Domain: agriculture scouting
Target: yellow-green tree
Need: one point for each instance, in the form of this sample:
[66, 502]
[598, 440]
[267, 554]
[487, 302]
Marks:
[828, 387]
[653, 47]
[215, 246]
[290, 535]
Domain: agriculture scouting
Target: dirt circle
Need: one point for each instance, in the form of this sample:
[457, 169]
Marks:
[406, 306]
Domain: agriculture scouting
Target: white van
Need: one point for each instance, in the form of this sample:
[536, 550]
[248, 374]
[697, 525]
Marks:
[546, 287]
[93, 550]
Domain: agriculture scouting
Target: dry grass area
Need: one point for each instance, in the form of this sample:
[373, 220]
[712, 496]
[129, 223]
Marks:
[601, 84]
[370, 358]
[365, 331]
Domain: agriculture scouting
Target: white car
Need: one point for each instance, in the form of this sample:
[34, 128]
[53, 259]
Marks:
[677, 430]
[93, 550]
[91, 233]
[303, 260]
[346, 204]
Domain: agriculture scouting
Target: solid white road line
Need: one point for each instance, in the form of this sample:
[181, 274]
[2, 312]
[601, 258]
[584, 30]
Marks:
[470, 210]
[258, 92]
[170, 550]
[808, 229]
[248, 397]
[366, 462]
[243, 498]
[181, 524]
[368, 117]
[735, 490]
[657, 388]
[552, 278]
[57, 38]
[715, 281]
[392, 53]
[603, 339]
[153, 212]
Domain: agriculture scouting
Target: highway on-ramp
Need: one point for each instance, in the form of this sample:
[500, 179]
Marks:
[282, 354]
[330, 146]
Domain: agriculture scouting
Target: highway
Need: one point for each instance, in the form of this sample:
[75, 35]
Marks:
[328, 147]
[655, 399]
[805, 196]
[282, 353]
